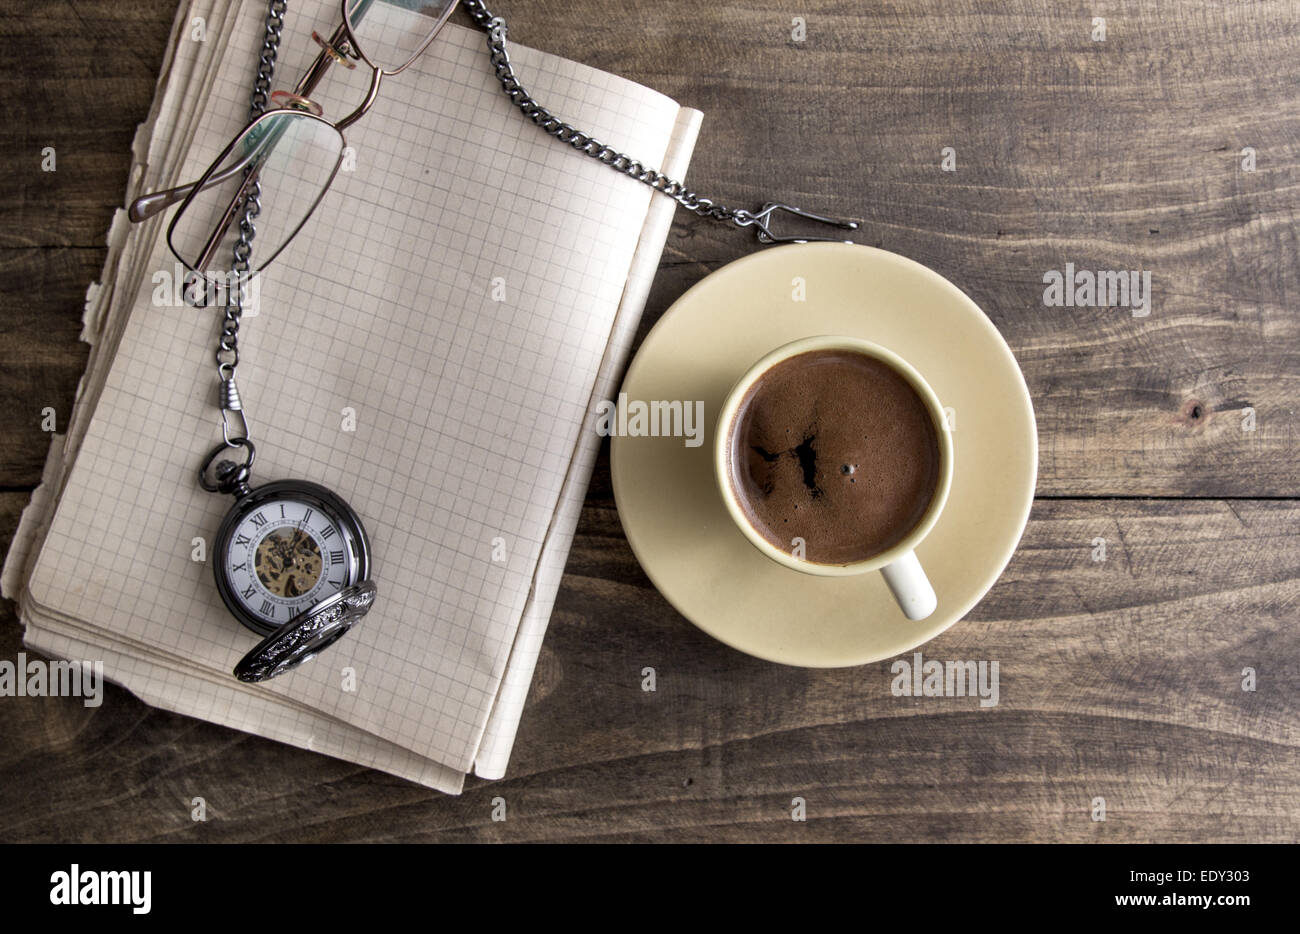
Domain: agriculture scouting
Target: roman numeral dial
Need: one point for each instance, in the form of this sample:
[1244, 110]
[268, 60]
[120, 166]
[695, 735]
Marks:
[281, 556]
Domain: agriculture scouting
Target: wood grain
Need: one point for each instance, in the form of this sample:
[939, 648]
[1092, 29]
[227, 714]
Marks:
[1114, 155]
[1119, 678]
[41, 354]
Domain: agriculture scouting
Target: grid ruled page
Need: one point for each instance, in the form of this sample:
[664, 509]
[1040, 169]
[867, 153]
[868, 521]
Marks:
[467, 408]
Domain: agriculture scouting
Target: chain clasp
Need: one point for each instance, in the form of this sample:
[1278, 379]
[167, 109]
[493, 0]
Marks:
[762, 220]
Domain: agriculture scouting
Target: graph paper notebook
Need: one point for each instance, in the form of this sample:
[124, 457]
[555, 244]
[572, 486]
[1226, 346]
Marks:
[432, 346]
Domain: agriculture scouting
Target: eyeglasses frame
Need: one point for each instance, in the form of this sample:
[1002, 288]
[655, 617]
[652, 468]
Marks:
[341, 47]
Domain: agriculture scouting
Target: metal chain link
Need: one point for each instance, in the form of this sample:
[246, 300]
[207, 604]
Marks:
[495, 27]
[266, 61]
[228, 344]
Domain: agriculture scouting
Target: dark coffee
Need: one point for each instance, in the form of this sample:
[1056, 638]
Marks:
[836, 448]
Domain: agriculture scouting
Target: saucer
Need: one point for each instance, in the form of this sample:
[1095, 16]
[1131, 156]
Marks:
[673, 514]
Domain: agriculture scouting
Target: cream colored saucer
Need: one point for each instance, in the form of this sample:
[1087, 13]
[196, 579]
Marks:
[673, 514]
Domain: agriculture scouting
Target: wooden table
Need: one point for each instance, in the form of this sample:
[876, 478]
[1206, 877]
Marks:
[1120, 679]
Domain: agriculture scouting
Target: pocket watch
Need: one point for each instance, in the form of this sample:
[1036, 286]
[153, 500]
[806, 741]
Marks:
[291, 561]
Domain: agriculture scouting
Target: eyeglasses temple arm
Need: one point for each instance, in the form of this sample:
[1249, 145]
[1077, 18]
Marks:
[146, 206]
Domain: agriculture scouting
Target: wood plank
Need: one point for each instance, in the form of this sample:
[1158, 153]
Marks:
[81, 77]
[1115, 155]
[41, 355]
[1119, 679]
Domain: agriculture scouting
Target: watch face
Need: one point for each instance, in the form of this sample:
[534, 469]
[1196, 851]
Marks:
[284, 548]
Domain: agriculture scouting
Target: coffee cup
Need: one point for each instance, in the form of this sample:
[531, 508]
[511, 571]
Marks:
[851, 434]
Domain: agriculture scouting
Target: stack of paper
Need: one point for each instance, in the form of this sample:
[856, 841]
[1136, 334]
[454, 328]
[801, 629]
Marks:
[467, 290]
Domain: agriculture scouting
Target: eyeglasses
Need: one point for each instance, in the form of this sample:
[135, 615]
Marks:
[280, 165]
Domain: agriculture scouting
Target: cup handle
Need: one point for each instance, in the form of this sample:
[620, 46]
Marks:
[910, 587]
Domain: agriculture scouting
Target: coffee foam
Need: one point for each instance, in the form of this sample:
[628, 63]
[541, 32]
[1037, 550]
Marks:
[836, 448]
